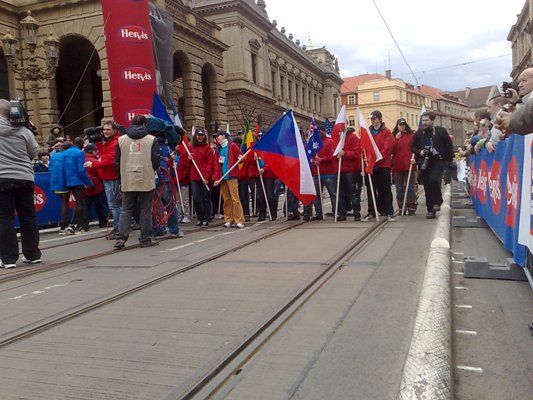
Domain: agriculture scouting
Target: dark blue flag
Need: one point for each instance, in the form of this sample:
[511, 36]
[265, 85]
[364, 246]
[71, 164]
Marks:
[314, 141]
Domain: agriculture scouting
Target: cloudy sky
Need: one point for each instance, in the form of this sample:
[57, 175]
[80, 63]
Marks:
[433, 35]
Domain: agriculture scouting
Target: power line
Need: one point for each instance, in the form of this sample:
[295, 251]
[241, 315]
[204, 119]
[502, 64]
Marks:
[395, 42]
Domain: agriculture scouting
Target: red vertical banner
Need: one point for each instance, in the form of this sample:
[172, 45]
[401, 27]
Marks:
[130, 57]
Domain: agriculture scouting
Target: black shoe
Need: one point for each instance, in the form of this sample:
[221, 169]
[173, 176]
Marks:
[261, 219]
[341, 219]
[430, 215]
[247, 218]
[148, 243]
[357, 218]
[293, 217]
[199, 223]
[205, 224]
[120, 244]
[306, 218]
[317, 218]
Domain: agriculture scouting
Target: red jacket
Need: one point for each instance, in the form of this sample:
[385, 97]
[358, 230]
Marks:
[385, 142]
[106, 165]
[328, 164]
[184, 164]
[94, 175]
[244, 168]
[401, 154]
[233, 156]
[351, 161]
[203, 155]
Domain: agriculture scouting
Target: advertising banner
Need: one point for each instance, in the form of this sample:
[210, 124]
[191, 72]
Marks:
[163, 29]
[130, 57]
[525, 236]
[496, 190]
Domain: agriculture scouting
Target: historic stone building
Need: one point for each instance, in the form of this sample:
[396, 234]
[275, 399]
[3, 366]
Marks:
[230, 63]
[267, 71]
[521, 37]
[78, 94]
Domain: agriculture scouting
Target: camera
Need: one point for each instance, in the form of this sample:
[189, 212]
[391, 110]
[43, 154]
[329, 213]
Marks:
[93, 134]
[18, 116]
[425, 160]
[508, 87]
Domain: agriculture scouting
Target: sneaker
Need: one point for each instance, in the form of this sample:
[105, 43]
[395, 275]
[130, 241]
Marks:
[341, 219]
[148, 243]
[62, 232]
[317, 218]
[33, 262]
[430, 215]
[176, 235]
[199, 223]
[390, 218]
[306, 218]
[79, 231]
[120, 244]
[227, 225]
[233, 225]
[205, 224]
[247, 218]
[186, 220]
[368, 218]
[7, 266]
[357, 217]
[69, 230]
[240, 225]
[219, 216]
[261, 219]
[294, 217]
[436, 207]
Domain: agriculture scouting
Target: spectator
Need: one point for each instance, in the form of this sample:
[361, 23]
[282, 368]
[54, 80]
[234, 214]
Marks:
[58, 184]
[203, 155]
[94, 196]
[18, 148]
[41, 164]
[402, 159]
[56, 132]
[520, 121]
[494, 107]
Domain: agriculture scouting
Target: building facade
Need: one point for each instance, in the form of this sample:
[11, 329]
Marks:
[267, 71]
[521, 37]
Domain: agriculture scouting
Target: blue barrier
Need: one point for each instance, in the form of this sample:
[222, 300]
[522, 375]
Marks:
[496, 189]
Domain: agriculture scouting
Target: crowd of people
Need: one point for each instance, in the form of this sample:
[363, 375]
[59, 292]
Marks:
[138, 177]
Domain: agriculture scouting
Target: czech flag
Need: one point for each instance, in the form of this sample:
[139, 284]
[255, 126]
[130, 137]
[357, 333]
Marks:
[282, 149]
[368, 145]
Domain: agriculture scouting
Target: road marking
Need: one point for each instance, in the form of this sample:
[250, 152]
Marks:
[37, 292]
[72, 236]
[464, 332]
[461, 288]
[458, 273]
[203, 240]
[471, 369]
[463, 306]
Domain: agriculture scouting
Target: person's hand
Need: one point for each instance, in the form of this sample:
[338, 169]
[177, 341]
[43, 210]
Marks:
[88, 164]
[216, 183]
[190, 156]
[240, 157]
[340, 154]
[261, 171]
[398, 135]
[503, 120]
[205, 181]
[490, 147]
[256, 157]
[413, 161]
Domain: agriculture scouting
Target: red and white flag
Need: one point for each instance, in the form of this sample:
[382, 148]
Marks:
[338, 134]
[368, 145]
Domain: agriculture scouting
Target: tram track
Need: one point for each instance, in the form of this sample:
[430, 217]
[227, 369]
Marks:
[44, 324]
[13, 274]
[209, 382]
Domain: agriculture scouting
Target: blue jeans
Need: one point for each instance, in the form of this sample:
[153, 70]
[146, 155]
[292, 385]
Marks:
[112, 192]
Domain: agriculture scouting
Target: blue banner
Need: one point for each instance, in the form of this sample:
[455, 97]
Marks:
[496, 189]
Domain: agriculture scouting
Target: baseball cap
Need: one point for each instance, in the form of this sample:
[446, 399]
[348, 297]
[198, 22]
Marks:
[200, 131]
[376, 114]
[401, 121]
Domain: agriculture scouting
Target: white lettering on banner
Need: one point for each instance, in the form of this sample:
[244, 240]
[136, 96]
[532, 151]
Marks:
[512, 193]
[137, 76]
[131, 116]
[525, 232]
[495, 192]
[129, 34]
[38, 199]
[482, 181]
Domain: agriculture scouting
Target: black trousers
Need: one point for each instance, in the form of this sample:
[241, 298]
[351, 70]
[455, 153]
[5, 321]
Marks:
[350, 193]
[381, 180]
[431, 178]
[202, 201]
[270, 197]
[244, 196]
[17, 195]
[79, 194]
[98, 202]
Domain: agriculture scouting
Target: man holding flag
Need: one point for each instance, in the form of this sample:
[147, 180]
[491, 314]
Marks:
[377, 145]
[313, 146]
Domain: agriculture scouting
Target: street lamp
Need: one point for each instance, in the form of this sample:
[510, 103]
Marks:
[31, 69]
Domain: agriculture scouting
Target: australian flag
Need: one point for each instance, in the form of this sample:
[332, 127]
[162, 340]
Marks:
[329, 127]
[314, 141]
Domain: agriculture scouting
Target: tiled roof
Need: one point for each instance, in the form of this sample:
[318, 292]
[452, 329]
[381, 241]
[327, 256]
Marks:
[439, 94]
[476, 97]
[350, 84]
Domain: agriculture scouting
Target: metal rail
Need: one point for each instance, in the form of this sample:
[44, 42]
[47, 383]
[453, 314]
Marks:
[73, 312]
[210, 381]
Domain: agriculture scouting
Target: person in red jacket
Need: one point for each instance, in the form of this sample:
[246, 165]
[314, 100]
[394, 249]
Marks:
[351, 181]
[328, 167]
[244, 180]
[184, 175]
[402, 158]
[228, 153]
[95, 194]
[202, 154]
[381, 176]
[106, 170]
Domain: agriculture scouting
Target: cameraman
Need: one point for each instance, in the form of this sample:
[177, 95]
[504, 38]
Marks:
[106, 170]
[433, 148]
[520, 121]
[18, 148]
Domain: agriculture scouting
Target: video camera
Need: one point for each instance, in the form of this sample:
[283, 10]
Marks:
[93, 134]
[18, 116]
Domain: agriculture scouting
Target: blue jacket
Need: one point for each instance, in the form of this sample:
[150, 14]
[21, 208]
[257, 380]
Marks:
[57, 179]
[73, 170]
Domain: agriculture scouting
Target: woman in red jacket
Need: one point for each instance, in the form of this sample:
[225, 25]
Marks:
[202, 154]
[402, 158]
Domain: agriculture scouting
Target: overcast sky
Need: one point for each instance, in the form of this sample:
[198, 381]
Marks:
[432, 34]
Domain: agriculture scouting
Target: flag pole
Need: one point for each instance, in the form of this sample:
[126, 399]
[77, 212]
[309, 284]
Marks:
[338, 188]
[219, 200]
[373, 194]
[264, 190]
[197, 169]
[179, 187]
[286, 203]
[233, 167]
[407, 184]
[320, 191]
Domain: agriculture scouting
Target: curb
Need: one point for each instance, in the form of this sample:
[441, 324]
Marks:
[427, 371]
